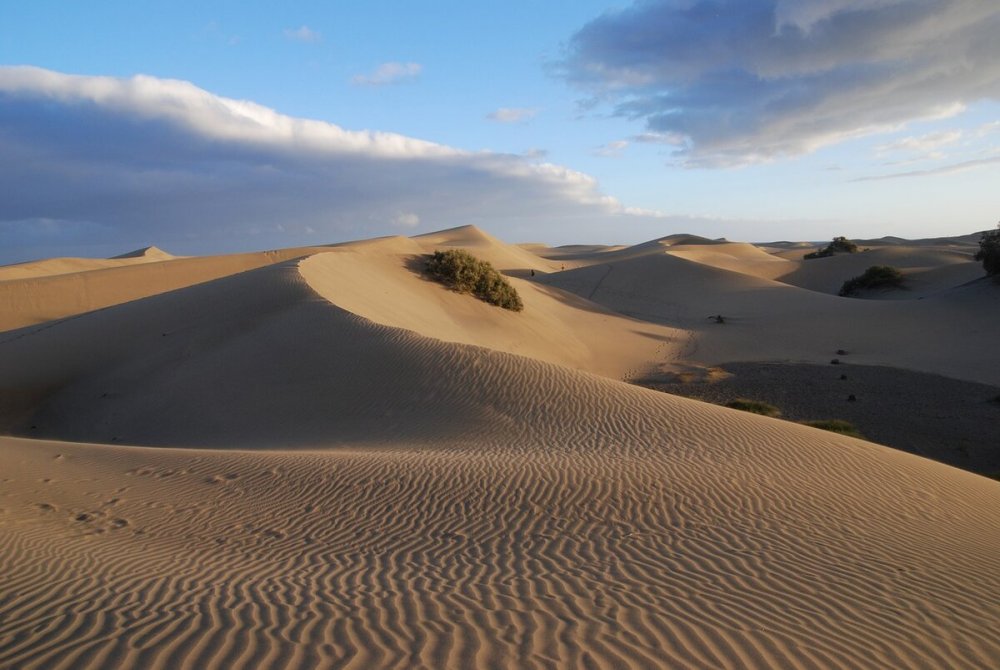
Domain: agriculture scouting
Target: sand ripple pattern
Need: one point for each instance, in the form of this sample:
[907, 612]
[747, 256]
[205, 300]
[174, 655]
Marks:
[464, 508]
[472, 557]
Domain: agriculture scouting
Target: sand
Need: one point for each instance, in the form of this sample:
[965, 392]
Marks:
[937, 417]
[321, 459]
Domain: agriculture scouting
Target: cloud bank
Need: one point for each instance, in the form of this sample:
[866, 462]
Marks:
[753, 80]
[149, 161]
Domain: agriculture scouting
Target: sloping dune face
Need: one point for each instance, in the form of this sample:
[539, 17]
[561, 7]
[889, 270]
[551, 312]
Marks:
[620, 546]
[446, 505]
[506, 257]
[927, 270]
[59, 266]
[387, 287]
[259, 359]
[48, 290]
[769, 320]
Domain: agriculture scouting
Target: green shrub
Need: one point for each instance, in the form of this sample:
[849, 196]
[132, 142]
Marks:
[989, 252]
[754, 406]
[836, 426]
[839, 245]
[462, 272]
[877, 276]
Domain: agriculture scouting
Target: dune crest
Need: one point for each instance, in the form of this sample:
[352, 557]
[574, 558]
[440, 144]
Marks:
[319, 458]
[148, 253]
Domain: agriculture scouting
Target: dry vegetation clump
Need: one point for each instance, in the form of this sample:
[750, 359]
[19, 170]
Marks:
[836, 426]
[462, 272]
[989, 252]
[754, 406]
[877, 276]
[839, 245]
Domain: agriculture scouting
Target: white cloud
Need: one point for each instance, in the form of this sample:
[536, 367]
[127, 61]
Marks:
[388, 73]
[302, 34]
[108, 161]
[754, 80]
[805, 14]
[406, 220]
[988, 129]
[671, 139]
[612, 149]
[943, 170]
[924, 144]
[512, 114]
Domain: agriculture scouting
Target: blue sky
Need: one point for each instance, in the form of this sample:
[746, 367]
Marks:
[556, 122]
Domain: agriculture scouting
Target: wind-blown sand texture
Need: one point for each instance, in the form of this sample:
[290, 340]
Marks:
[345, 465]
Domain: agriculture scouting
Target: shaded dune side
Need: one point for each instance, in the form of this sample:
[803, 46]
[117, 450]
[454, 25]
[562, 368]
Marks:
[253, 360]
[787, 323]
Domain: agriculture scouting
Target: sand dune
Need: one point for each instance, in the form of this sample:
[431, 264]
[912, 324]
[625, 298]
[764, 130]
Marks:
[508, 258]
[67, 288]
[641, 531]
[556, 326]
[62, 266]
[773, 321]
[147, 253]
[926, 271]
[388, 474]
[736, 257]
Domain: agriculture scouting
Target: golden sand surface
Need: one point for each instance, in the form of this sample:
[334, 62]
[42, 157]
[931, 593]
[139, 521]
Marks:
[318, 458]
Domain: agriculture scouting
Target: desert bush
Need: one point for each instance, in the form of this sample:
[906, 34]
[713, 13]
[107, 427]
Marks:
[836, 426]
[754, 406]
[877, 276]
[462, 272]
[989, 252]
[839, 245]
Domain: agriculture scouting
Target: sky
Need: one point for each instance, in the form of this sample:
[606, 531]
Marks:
[216, 127]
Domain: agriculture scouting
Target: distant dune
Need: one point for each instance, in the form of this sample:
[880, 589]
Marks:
[319, 457]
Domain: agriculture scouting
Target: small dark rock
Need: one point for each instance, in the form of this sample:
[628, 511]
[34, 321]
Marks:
[843, 377]
[851, 398]
[835, 361]
[841, 352]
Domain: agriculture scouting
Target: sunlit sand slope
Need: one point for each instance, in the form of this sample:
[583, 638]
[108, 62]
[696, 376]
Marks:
[66, 287]
[260, 359]
[768, 320]
[641, 531]
[58, 266]
[370, 496]
[925, 271]
[509, 258]
[386, 285]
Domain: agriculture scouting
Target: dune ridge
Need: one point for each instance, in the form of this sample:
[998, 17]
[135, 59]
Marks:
[363, 487]
[56, 293]
[789, 323]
